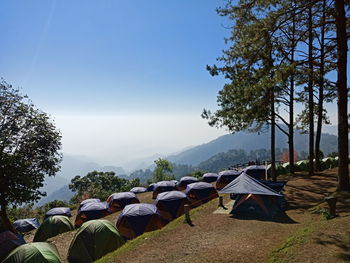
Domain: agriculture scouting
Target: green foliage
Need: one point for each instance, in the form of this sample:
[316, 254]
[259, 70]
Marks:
[163, 170]
[100, 185]
[197, 174]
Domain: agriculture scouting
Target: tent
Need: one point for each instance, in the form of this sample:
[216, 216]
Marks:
[58, 211]
[171, 204]
[138, 189]
[276, 186]
[26, 225]
[51, 227]
[151, 187]
[186, 180]
[90, 211]
[330, 162]
[225, 177]
[200, 193]
[302, 165]
[210, 177]
[37, 252]
[135, 219]
[90, 200]
[118, 201]
[163, 186]
[253, 198]
[93, 240]
[286, 166]
[256, 171]
[8, 242]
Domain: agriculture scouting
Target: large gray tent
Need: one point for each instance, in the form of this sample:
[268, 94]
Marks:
[253, 198]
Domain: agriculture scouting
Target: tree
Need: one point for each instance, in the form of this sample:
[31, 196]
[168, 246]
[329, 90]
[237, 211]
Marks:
[29, 150]
[100, 185]
[163, 170]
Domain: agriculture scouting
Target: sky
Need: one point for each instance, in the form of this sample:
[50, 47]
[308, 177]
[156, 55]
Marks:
[122, 79]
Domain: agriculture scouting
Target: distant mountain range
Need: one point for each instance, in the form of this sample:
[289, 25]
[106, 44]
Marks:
[78, 165]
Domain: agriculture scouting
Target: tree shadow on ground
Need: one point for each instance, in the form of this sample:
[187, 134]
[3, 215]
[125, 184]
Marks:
[281, 218]
[339, 242]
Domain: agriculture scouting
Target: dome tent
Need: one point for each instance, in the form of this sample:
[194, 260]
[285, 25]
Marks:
[138, 189]
[302, 165]
[36, 252]
[8, 242]
[256, 171]
[225, 177]
[163, 186]
[186, 180]
[171, 204]
[93, 240]
[210, 177]
[200, 193]
[151, 187]
[135, 219]
[90, 211]
[58, 211]
[90, 200]
[51, 227]
[118, 201]
[26, 225]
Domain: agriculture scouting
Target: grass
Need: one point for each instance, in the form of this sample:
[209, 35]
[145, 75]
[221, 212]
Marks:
[132, 244]
[284, 252]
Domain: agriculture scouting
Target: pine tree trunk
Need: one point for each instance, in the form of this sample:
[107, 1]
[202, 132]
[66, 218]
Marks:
[321, 95]
[273, 136]
[342, 93]
[291, 108]
[311, 95]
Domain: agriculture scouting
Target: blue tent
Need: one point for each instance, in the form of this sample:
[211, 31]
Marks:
[186, 180]
[225, 177]
[118, 201]
[8, 242]
[277, 186]
[26, 225]
[90, 200]
[138, 189]
[135, 219]
[253, 198]
[151, 187]
[256, 171]
[171, 204]
[210, 177]
[58, 211]
[90, 211]
[163, 186]
[200, 193]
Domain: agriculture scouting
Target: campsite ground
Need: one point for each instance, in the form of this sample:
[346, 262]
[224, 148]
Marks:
[301, 236]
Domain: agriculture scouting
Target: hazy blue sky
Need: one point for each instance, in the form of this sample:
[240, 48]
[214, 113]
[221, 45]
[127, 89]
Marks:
[123, 79]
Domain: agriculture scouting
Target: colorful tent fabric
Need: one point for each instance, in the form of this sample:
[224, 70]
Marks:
[171, 204]
[163, 186]
[118, 201]
[135, 219]
[26, 225]
[90, 211]
[200, 193]
[184, 181]
[138, 189]
[225, 177]
[256, 171]
[37, 252]
[210, 177]
[58, 211]
[93, 240]
[8, 242]
[52, 226]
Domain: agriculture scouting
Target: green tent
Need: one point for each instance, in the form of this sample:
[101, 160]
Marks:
[51, 227]
[303, 165]
[279, 169]
[39, 252]
[93, 240]
[286, 166]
